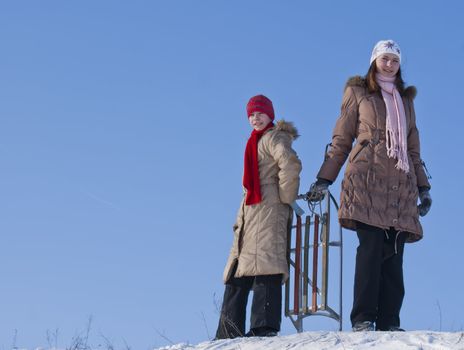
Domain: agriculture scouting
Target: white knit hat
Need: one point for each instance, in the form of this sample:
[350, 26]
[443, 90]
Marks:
[385, 46]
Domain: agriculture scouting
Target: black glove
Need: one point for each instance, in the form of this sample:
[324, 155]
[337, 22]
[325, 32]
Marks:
[425, 201]
[317, 190]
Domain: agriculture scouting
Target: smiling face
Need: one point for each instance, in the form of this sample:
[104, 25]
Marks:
[387, 64]
[258, 120]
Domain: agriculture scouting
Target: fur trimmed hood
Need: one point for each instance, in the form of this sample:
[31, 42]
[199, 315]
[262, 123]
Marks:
[288, 127]
[360, 81]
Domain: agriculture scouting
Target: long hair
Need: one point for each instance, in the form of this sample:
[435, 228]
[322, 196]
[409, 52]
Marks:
[372, 85]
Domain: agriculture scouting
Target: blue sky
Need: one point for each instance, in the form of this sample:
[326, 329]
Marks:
[122, 134]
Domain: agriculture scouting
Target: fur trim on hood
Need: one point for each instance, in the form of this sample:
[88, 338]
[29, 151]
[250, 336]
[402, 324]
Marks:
[357, 80]
[288, 127]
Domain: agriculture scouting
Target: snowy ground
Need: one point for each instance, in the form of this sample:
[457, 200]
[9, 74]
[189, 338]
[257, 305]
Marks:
[417, 340]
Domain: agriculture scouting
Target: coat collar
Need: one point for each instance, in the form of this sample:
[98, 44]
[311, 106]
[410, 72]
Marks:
[409, 92]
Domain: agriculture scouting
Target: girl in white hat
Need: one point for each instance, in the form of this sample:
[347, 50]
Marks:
[383, 180]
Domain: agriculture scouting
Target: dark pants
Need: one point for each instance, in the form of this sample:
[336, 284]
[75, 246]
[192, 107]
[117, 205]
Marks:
[378, 280]
[265, 310]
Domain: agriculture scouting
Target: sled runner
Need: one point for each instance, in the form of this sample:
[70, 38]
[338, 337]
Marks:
[307, 288]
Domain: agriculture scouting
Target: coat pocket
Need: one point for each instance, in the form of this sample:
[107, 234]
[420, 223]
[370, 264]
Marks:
[358, 148]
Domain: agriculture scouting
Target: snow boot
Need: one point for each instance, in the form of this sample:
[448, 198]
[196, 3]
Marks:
[262, 332]
[391, 329]
[363, 326]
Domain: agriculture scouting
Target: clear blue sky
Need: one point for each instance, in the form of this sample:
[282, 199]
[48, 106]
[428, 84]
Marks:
[122, 134]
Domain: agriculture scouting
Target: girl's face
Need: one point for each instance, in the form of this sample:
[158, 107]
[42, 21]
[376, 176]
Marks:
[387, 64]
[258, 120]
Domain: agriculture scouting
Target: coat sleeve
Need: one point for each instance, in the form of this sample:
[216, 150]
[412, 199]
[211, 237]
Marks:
[289, 166]
[414, 150]
[343, 136]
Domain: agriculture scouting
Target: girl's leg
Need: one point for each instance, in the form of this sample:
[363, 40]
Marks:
[233, 311]
[266, 310]
[367, 273]
[392, 285]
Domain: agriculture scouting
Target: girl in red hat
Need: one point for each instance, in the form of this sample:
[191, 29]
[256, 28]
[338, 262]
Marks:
[258, 259]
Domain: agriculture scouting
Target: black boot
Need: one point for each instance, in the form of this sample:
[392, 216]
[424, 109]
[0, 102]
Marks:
[391, 329]
[363, 326]
[262, 332]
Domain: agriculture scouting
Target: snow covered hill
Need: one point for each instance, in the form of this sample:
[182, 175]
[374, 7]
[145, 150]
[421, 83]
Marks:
[417, 340]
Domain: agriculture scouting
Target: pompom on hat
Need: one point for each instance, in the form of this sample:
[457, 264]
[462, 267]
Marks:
[385, 46]
[260, 103]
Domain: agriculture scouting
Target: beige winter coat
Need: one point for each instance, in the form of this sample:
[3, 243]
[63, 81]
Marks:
[373, 190]
[260, 231]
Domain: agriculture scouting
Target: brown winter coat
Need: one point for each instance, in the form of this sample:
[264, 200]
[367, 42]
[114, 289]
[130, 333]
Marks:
[260, 230]
[373, 190]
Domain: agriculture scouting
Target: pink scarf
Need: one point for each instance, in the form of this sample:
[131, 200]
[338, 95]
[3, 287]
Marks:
[397, 141]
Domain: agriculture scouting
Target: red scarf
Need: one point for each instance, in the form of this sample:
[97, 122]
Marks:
[251, 168]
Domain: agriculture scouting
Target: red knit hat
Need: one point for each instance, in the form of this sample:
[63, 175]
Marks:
[260, 103]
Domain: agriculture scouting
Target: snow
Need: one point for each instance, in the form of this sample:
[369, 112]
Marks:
[416, 340]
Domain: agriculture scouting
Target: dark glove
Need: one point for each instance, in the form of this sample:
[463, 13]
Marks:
[425, 201]
[317, 190]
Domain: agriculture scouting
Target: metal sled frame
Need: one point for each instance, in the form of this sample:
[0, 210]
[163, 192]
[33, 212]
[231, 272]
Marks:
[303, 287]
